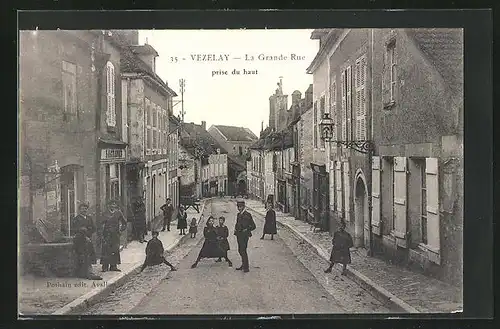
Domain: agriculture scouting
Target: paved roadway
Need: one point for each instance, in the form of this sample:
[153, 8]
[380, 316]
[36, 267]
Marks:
[278, 282]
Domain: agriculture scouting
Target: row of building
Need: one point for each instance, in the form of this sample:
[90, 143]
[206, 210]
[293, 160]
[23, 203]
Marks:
[97, 124]
[393, 167]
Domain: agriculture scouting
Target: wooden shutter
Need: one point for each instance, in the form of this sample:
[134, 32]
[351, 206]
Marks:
[433, 225]
[334, 108]
[357, 100]
[331, 173]
[347, 191]
[386, 78]
[376, 195]
[360, 98]
[344, 107]
[349, 104]
[315, 124]
[400, 203]
[338, 185]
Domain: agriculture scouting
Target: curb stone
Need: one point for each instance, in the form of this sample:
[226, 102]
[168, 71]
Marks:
[381, 293]
[98, 294]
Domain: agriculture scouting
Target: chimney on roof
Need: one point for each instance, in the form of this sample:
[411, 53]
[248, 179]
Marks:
[261, 126]
[204, 125]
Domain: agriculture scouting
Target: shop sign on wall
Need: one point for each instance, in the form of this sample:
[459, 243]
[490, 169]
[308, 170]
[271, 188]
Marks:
[112, 154]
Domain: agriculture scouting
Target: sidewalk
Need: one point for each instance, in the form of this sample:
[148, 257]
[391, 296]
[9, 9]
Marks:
[59, 296]
[406, 290]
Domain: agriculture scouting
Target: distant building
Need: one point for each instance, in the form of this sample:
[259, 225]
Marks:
[236, 140]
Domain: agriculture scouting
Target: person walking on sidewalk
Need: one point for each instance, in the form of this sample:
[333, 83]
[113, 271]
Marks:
[341, 242]
[270, 222]
[168, 210]
[83, 220]
[113, 225]
[139, 220]
[84, 251]
[222, 235]
[155, 253]
[193, 228]
[182, 220]
[210, 248]
[243, 231]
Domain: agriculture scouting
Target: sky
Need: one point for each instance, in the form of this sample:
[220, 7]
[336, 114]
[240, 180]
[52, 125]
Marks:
[236, 100]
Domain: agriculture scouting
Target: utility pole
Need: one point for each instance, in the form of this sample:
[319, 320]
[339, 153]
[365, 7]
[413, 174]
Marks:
[182, 84]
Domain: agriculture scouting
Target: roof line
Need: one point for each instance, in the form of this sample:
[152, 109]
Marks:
[318, 59]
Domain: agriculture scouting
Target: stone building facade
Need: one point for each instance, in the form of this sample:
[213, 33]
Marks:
[400, 90]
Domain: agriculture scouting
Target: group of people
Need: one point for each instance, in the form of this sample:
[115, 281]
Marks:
[216, 244]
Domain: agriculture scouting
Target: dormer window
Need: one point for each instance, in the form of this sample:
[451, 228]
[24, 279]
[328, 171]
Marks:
[110, 95]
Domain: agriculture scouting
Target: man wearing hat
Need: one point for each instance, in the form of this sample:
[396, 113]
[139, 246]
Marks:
[243, 231]
[113, 225]
[83, 220]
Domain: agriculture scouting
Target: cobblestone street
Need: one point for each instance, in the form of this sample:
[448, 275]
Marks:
[285, 277]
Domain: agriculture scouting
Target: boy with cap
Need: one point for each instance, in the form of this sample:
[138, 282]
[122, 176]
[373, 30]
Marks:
[154, 253]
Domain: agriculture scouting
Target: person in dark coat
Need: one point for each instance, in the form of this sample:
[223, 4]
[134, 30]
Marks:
[182, 220]
[84, 220]
[243, 231]
[84, 251]
[341, 242]
[270, 222]
[222, 235]
[193, 228]
[139, 221]
[155, 253]
[168, 210]
[113, 225]
[210, 248]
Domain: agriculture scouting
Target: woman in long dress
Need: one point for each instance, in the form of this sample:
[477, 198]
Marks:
[182, 221]
[210, 247]
[341, 242]
[270, 222]
[113, 225]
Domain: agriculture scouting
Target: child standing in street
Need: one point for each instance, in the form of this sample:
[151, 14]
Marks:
[193, 228]
[154, 253]
[341, 242]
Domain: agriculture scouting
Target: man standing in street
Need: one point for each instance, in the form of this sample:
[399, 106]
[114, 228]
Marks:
[243, 231]
[168, 210]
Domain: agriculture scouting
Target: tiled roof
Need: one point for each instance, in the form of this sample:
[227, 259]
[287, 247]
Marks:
[444, 48]
[143, 49]
[193, 135]
[237, 134]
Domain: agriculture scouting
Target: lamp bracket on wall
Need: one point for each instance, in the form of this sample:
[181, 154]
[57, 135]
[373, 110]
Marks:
[361, 146]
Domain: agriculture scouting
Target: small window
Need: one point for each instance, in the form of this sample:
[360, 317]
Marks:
[69, 87]
[391, 51]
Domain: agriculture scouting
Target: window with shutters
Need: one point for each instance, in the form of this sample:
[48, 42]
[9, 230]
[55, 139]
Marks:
[338, 188]
[315, 124]
[423, 200]
[333, 106]
[389, 80]
[349, 103]
[69, 87]
[360, 98]
[110, 95]
[346, 191]
[149, 132]
[343, 108]
[322, 106]
[432, 210]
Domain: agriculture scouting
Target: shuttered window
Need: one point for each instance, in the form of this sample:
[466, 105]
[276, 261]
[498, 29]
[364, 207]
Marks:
[349, 103]
[69, 87]
[110, 95]
[338, 187]
[432, 205]
[376, 195]
[331, 173]
[347, 191]
[343, 116]
[315, 124]
[360, 98]
[400, 201]
[322, 106]
[333, 106]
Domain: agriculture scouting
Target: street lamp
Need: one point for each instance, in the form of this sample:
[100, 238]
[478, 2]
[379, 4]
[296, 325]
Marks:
[327, 127]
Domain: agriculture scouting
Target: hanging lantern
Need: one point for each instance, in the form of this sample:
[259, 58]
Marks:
[326, 126]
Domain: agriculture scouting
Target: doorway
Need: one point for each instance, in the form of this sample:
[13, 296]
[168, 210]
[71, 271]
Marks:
[361, 238]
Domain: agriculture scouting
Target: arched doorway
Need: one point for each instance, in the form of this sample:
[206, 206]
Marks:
[361, 213]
